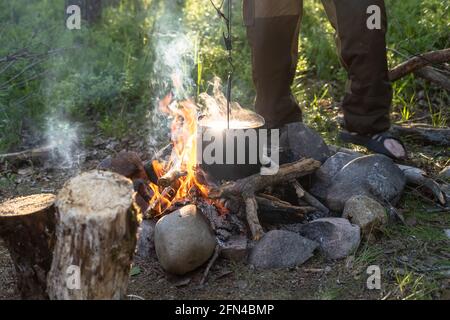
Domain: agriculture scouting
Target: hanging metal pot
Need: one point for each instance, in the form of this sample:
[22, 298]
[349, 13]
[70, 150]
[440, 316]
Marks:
[238, 154]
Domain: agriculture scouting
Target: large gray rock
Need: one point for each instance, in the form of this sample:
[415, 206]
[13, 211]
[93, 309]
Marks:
[183, 240]
[446, 189]
[366, 213]
[281, 249]
[325, 174]
[146, 239]
[445, 173]
[375, 176]
[337, 237]
[303, 142]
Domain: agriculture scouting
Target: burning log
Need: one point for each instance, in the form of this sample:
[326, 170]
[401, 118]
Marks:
[27, 227]
[167, 192]
[247, 187]
[171, 178]
[143, 195]
[96, 233]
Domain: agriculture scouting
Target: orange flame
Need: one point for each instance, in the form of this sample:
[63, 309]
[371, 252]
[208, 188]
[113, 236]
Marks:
[183, 159]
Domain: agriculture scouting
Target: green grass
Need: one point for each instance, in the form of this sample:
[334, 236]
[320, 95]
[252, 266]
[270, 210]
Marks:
[334, 293]
[367, 255]
[411, 286]
[429, 227]
[7, 181]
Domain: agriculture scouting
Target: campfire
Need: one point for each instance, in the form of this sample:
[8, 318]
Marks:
[177, 178]
[323, 197]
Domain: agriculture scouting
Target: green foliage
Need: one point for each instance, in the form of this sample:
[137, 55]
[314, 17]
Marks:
[107, 72]
[99, 72]
[203, 24]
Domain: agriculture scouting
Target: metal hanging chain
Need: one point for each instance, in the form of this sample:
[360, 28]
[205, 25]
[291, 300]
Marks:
[229, 47]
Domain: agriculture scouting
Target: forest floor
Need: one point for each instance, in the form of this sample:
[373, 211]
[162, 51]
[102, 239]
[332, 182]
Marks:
[414, 258]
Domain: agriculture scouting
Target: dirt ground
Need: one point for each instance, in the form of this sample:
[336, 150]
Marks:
[414, 258]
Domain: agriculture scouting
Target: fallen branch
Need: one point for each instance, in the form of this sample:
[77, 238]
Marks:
[435, 76]
[27, 155]
[418, 177]
[210, 264]
[436, 136]
[418, 62]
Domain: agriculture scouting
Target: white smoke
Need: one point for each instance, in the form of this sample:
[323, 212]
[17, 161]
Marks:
[174, 51]
[63, 137]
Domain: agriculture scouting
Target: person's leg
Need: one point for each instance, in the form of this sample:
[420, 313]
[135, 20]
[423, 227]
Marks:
[273, 30]
[362, 51]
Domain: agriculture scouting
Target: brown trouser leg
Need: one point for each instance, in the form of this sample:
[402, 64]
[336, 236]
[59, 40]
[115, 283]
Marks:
[273, 27]
[273, 32]
[367, 101]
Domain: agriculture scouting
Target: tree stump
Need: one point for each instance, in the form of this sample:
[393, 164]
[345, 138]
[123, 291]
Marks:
[27, 226]
[96, 236]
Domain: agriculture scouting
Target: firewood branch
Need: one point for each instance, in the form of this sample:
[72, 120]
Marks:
[251, 209]
[309, 198]
[171, 177]
[247, 188]
[274, 210]
[418, 62]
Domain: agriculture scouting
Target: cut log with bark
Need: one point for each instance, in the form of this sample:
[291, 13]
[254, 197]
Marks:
[247, 188]
[426, 135]
[27, 227]
[96, 235]
[418, 62]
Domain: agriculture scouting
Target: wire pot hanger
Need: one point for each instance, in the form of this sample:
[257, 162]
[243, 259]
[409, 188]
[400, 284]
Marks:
[227, 36]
